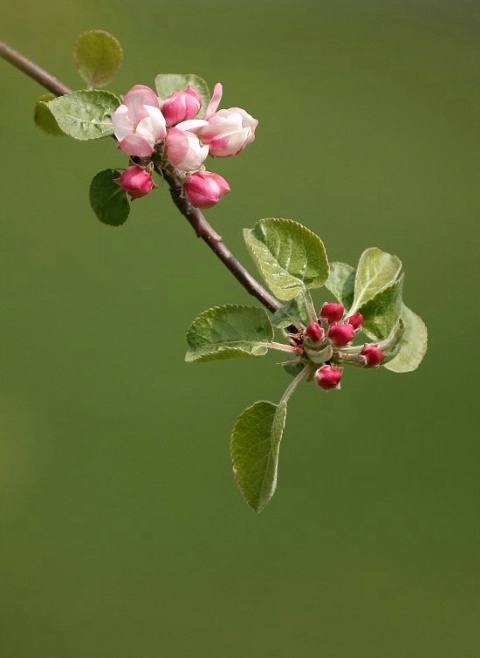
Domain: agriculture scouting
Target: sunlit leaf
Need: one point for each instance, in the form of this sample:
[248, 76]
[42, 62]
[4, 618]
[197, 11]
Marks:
[291, 313]
[376, 271]
[290, 257]
[255, 447]
[226, 332]
[413, 343]
[85, 114]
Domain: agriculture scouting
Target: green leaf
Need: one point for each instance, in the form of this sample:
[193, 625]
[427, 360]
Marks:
[255, 446]
[98, 57]
[44, 118]
[85, 114]
[226, 332]
[413, 344]
[291, 258]
[341, 282]
[291, 313]
[376, 271]
[108, 200]
[167, 83]
[381, 314]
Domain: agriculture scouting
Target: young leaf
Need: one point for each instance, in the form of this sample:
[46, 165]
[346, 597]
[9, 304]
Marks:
[376, 271]
[341, 282]
[255, 446]
[291, 258]
[413, 344]
[381, 314]
[98, 57]
[167, 83]
[85, 114]
[226, 332]
[44, 118]
[291, 313]
[108, 200]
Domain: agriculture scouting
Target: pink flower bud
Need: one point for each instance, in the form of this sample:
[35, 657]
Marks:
[341, 334]
[332, 312]
[328, 377]
[373, 356]
[184, 149]
[204, 189]
[356, 320]
[228, 132]
[182, 106]
[314, 332]
[136, 182]
[138, 123]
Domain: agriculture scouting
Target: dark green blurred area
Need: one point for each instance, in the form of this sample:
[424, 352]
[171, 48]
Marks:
[123, 533]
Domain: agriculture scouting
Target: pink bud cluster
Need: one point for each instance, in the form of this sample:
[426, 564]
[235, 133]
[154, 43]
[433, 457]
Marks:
[167, 133]
[327, 343]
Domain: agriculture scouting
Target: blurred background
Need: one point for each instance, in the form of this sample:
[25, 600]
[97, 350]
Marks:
[123, 534]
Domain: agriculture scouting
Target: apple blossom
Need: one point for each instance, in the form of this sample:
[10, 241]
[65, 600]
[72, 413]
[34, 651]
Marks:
[182, 106]
[228, 132]
[204, 189]
[184, 149]
[138, 122]
[136, 182]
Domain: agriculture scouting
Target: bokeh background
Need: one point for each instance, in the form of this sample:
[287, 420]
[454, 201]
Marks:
[123, 534]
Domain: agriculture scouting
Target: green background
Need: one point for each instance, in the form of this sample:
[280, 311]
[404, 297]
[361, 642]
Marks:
[123, 534]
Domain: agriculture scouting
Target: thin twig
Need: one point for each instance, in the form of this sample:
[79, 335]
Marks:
[33, 70]
[193, 215]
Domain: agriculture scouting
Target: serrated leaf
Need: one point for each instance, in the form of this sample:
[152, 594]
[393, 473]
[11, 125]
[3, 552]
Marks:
[381, 314]
[108, 200]
[341, 282]
[376, 271]
[413, 344]
[44, 118]
[290, 257]
[255, 447]
[98, 56]
[85, 114]
[227, 332]
[291, 313]
[167, 83]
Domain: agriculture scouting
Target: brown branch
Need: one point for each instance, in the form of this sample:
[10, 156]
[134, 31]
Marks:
[193, 215]
[33, 70]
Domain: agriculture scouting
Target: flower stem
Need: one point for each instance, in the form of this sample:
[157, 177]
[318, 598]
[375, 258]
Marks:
[302, 375]
[193, 215]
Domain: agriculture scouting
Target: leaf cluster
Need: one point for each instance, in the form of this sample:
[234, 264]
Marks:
[293, 261]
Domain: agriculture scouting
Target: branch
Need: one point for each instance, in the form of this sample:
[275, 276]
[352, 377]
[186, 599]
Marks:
[36, 72]
[193, 215]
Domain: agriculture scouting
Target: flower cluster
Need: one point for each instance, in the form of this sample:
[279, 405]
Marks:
[167, 134]
[326, 343]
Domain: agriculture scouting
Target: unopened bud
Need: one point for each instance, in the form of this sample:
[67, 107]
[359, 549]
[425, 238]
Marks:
[328, 377]
[356, 320]
[332, 312]
[315, 332]
[204, 189]
[136, 182]
[341, 334]
[373, 356]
